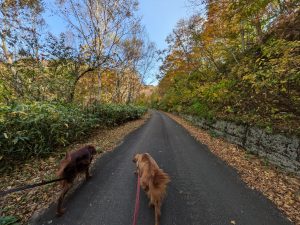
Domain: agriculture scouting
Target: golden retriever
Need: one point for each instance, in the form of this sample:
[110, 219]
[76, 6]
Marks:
[153, 180]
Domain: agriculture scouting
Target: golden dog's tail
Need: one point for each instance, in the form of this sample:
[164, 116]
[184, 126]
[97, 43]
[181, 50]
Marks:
[157, 191]
[159, 184]
[63, 164]
[160, 179]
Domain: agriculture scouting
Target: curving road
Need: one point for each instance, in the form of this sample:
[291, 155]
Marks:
[203, 190]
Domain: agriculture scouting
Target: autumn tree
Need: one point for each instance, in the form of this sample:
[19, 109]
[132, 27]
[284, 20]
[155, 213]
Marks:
[20, 26]
[100, 26]
[239, 61]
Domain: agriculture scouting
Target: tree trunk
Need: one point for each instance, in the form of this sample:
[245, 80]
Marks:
[72, 93]
[116, 97]
[211, 58]
[243, 39]
[99, 86]
[259, 32]
[129, 96]
[16, 82]
[78, 75]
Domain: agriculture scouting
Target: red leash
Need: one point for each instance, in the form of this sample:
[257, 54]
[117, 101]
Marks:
[137, 201]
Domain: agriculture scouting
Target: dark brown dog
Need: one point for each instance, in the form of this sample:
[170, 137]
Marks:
[74, 163]
[153, 181]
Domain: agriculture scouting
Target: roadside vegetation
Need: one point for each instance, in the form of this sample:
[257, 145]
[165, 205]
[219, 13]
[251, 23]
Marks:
[239, 62]
[61, 91]
[38, 129]
[19, 207]
[58, 88]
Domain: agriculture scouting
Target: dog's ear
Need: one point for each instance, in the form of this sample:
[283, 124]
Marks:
[135, 158]
[92, 149]
[145, 157]
[68, 157]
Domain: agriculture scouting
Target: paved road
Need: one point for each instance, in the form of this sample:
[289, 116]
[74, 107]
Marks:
[203, 191]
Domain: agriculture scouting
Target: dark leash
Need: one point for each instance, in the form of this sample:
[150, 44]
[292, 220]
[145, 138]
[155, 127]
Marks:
[30, 186]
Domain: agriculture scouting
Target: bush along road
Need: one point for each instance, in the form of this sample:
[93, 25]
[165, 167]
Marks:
[37, 129]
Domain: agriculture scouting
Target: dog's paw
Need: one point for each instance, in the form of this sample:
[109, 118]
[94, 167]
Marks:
[150, 204]
[146, 189]
[60, 212]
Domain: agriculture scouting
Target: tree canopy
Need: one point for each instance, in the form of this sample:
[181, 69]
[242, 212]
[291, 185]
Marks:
[238, 61]
[103, 51]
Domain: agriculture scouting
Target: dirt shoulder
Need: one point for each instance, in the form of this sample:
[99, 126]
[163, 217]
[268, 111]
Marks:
[25, 203]
[281, 188]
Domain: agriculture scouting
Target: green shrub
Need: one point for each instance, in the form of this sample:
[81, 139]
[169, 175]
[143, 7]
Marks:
[200, 109]
[260, 87]
[37, 129]
[9, 220]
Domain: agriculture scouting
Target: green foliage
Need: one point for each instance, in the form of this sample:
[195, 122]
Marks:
[9, 220]
[200, 109]
[269, 81]
[112, 115]
[240, 62]
[37, 129]
[263, 89]
[213, 134]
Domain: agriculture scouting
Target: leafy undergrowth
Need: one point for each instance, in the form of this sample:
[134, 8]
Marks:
[281, 188]
[24, 204]
[37, 129]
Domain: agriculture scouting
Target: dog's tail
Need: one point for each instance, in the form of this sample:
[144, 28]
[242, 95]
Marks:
[160, 179]
[158, 185]
[157, 192]
[157, 207]
[63, 164]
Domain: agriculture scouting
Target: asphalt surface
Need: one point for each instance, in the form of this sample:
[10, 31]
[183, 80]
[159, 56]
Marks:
[203, 190]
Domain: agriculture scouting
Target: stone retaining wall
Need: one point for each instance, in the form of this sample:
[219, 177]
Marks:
[279, 149]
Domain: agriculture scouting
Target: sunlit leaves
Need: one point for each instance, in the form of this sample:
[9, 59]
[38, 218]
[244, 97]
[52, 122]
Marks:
[236, 66]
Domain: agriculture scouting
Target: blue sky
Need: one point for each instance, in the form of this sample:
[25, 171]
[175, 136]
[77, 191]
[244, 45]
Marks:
[158, 16]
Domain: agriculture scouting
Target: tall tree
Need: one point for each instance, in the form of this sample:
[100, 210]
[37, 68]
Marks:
[19, 31]
[100, 26]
